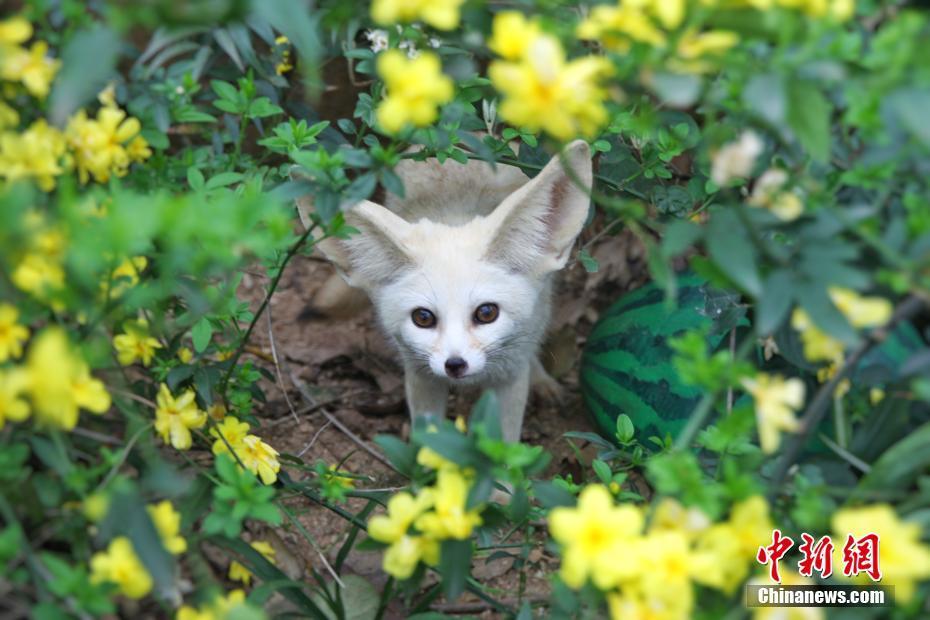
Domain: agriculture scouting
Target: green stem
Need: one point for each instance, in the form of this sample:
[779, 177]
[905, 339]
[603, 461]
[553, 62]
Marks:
[705, 407]
[295, 247]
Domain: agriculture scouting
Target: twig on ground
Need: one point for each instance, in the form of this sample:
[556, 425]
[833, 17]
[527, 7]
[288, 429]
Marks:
[314, 438]
[342, 427]
[277, 368]
[135, 397]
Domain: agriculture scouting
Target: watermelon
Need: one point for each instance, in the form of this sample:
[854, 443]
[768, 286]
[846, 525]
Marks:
[626, 365]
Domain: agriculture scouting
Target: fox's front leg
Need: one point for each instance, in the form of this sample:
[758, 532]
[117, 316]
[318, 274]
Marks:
[512, 398]
[425, 395]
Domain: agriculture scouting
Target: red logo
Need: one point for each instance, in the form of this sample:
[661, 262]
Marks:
[774, 552]
[861, 556]
[817, 557]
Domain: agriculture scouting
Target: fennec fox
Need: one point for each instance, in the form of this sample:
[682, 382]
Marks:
[459, 272]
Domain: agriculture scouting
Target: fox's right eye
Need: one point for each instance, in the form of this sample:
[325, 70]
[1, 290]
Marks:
[423, 318]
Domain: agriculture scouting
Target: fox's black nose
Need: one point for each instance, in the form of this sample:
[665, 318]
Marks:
[456, 367]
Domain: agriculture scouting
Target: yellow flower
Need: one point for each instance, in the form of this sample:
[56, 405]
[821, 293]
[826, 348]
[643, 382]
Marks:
[717, 561]
[861, 311]
[100, 145]
[818, 346]
[125, 275]
[666, 560]
[544, 91]
[12, 406]
[259, 458]
[36, 153]
[346, 482]
[59, 383]
[120, 565]
[40, 270]
[12, 334]
[768, 192]
[238, 572]
[32, 67]
[95, 506]
[512, 34]
[777, 399]
[694, 48]
[669, 515]
[751, 524]
[230, 429]
[635, 603]
[175, 417]
[402, 510]
[876, 395]
[221, 608]
[449, 518]
[441, 14]
[15, 30]
[37, 274]
[8, 116]
[168, 523]
[903, 558]
[415, 88]
[217, 411]
[89, 393]
[186, 355]
[405, 551]
[617, 27]
[138, 149]
[736, 159]
[670, 13]
[402, 557]
[597, 539]
[135, 343]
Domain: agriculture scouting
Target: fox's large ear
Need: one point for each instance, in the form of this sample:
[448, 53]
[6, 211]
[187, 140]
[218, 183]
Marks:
[535, 227]
[373, 255]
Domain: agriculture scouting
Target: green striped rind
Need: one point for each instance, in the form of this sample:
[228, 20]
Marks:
[626, 366]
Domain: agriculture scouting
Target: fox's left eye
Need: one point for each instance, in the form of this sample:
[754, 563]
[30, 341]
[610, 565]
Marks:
[486, 313]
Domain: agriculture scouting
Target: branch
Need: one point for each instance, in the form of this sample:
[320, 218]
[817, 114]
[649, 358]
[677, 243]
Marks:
[271, 290]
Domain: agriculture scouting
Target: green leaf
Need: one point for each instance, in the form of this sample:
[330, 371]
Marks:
[190, 114]
[911, 105]
[485, 416]
[765, 95]
[809, 116]
[775, 301]
[728, 245]
[195, 178]
[677, 89]
[225, 90]
[551, 495]
[625, 429]
[201, 334]
[454, 565]
[602, 470]
[262, 107]
[223, 179]
[899, 466]
[88, 61]
[587, 261]
[403, 456]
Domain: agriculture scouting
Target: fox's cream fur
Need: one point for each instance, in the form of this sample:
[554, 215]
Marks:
[466, 244]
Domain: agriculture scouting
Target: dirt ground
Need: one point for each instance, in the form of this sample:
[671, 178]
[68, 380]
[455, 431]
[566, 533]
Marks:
[351, 366]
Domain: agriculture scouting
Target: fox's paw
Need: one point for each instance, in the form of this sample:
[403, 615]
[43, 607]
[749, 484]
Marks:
[544, 386]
